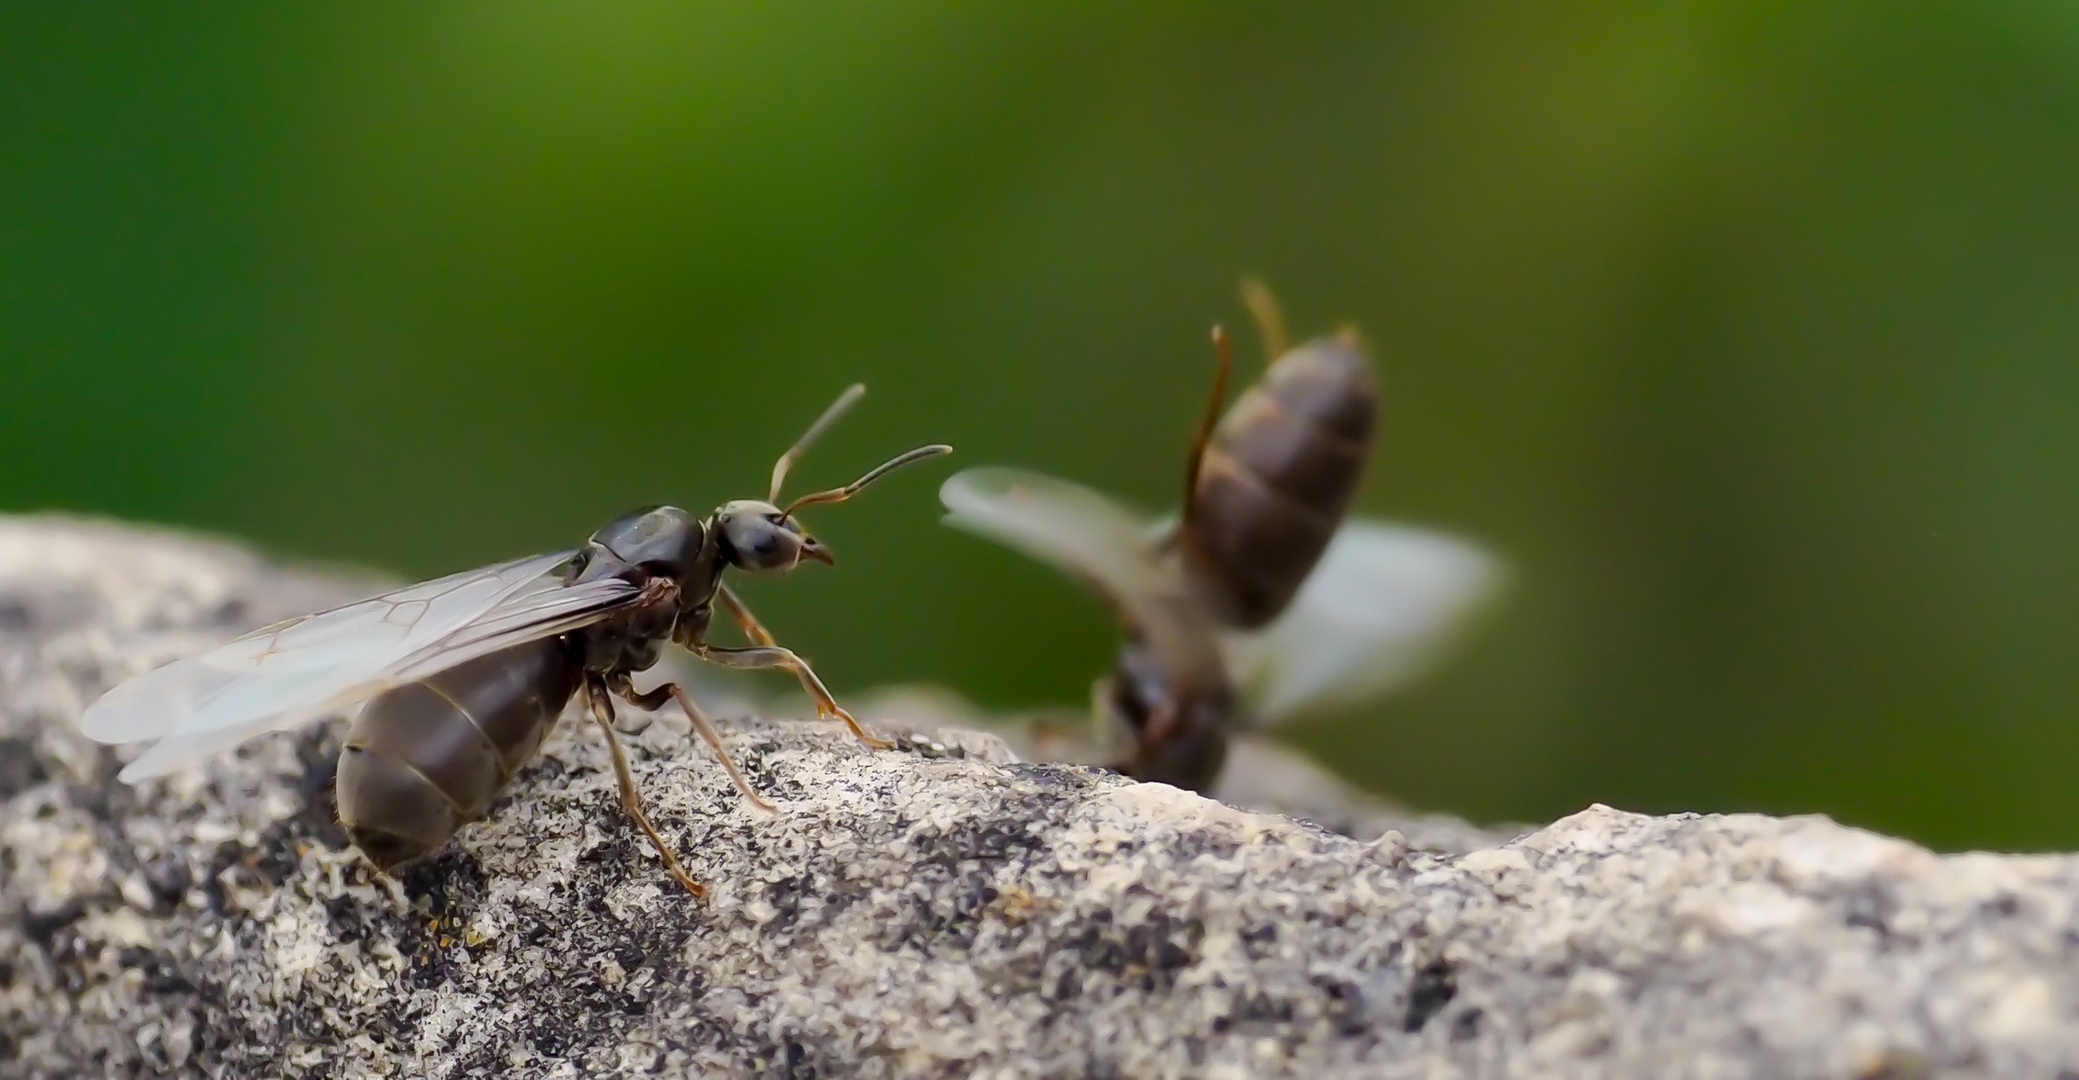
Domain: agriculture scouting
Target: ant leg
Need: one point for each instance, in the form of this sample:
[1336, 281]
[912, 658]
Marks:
[812, 686]
[1107, 730]
[776, 656]
[603, 713]
[752, 628]
[1079, 736]
[656, 698]
[1203, 437]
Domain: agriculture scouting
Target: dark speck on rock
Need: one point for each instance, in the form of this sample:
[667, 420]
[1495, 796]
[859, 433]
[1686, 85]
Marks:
[20, 768]
[1433, 988]
[169, 880]
[444, 882]
[1346, 1006]
[1060, 777]
[235, 612]
[1871, 906]
[41, 927]
[630, 956]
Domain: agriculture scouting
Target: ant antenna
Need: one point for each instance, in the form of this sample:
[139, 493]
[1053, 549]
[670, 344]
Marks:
[1270, 321]
[878, 471]
[1211, 418]
[837, 408]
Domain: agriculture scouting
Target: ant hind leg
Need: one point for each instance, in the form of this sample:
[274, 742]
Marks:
[631, 801]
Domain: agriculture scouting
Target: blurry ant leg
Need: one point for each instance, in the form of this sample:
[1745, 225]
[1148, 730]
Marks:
[1108, 735]
[656, 698]
[776, 656]
[752, 628]
[603, 713]
[1203, 437]
[1077, 735]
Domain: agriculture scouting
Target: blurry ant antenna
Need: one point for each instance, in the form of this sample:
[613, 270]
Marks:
[837, 408]
[1270, 319]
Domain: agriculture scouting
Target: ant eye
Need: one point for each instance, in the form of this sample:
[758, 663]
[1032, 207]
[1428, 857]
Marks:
[766, 544]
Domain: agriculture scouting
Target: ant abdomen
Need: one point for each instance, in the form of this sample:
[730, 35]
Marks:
[1277, 476]
[426, 758]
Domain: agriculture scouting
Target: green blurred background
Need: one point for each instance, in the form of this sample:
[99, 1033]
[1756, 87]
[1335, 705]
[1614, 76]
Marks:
[1746, 333]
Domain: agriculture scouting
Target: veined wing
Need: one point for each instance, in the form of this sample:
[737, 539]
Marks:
[220, 687]
[525, 617]
[295, 671]
[1081, 532]
[1380, 608]
[519, 619]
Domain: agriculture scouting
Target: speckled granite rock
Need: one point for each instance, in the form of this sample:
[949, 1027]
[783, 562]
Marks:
[1262, 774]
[934, 911]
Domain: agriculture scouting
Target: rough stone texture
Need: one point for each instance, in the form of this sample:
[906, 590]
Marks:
[1261, 773]
[934, 911]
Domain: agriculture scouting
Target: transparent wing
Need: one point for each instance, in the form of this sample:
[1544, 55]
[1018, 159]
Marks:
[517, 620]
[1380, 608]
[360, 636]
[1070, 527]
[287, 674]
[176, 750]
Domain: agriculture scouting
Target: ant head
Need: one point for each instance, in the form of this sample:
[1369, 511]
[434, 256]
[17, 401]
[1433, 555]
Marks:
[760, 537]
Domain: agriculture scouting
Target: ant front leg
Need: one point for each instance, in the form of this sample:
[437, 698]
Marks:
[776, 656]
[602, 705]
[738, 611]
[1108, 731]
[767, 654]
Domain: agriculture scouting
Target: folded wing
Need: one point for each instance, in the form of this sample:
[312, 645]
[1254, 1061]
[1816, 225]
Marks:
[303, 669]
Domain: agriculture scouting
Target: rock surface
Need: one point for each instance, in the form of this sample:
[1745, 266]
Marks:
[939, 910]
[1261, 773]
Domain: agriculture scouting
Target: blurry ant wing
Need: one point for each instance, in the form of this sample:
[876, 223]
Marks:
[1380, 609]
[1162, 532]
[1081, 532]
[306, 668]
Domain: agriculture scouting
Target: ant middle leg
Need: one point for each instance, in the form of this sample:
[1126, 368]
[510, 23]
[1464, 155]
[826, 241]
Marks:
[771, 653]
[741, 612]
[776, 656]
